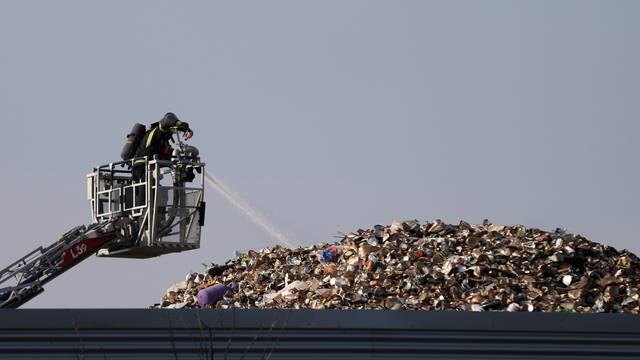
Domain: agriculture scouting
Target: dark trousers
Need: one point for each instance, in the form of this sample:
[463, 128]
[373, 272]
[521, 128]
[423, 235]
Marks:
[137, 173]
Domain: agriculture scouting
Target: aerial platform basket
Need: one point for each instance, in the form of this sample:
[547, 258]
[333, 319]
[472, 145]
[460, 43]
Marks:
[140, 208]
[160, 211]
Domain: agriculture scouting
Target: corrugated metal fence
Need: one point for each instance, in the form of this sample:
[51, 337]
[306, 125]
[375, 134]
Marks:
[308, 334]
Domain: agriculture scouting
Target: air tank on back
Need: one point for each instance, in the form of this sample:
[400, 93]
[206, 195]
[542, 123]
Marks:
[133, 140]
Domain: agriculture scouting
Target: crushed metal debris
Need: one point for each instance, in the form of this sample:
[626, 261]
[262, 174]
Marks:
[428, 266]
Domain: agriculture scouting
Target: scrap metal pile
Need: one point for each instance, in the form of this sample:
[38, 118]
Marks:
[430, 266]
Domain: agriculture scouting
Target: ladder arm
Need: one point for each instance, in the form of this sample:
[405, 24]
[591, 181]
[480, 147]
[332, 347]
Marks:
[25, 279]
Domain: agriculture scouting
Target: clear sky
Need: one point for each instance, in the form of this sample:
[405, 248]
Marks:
[327, 116]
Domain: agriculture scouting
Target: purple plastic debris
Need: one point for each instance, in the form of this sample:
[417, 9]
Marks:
[212, 294]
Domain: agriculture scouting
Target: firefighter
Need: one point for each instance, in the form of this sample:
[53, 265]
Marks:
[156, 142]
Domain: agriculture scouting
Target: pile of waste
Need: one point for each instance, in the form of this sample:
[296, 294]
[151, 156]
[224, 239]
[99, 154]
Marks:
[429, 266]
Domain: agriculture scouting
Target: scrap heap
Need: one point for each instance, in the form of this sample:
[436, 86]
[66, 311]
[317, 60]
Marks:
[431, 266]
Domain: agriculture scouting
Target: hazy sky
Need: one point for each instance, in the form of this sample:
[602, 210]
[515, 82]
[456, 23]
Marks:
[327, 116]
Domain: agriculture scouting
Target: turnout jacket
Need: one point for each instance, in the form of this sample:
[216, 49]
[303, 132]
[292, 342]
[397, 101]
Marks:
[156, 141]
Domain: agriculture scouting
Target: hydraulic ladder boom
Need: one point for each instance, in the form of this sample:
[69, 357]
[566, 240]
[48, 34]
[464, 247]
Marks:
[159, 213]
[25, 278]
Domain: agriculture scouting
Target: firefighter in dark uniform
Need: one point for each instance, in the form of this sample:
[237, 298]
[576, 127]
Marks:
[156, 142]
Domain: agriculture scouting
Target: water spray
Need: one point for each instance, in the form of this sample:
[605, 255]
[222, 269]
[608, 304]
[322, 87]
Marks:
[242, 205]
